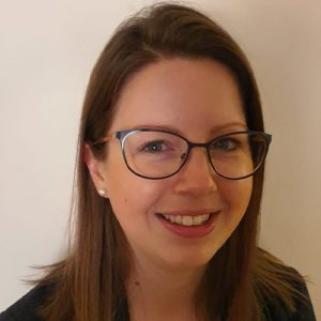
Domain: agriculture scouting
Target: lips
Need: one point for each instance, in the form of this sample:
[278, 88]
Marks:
[189, 212]
[188, 217]
[186, 220]
[189, 230]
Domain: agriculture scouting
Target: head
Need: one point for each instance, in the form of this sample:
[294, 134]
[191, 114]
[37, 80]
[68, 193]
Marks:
[169, 67]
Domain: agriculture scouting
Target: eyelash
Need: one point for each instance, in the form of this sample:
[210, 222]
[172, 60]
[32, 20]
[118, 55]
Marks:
[235, 142]
[152, 143]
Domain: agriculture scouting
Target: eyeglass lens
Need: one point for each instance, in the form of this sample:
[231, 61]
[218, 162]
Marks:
[156, 154]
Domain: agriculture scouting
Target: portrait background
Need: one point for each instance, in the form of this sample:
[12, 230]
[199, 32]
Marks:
[47, 51]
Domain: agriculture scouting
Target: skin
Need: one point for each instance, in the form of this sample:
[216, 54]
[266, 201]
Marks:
[194, 98]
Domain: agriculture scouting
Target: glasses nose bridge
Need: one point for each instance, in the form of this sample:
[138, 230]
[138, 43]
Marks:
[192, 145]
[203, 167]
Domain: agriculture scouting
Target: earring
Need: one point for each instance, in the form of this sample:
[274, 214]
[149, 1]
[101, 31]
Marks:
[101, 192]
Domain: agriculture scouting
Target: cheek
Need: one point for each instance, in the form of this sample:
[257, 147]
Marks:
[131, 195]
[237, 195]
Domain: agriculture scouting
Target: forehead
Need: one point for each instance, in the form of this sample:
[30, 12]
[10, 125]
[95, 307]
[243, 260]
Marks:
[188, 95]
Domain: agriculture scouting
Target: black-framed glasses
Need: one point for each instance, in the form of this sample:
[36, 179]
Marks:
[158, 154]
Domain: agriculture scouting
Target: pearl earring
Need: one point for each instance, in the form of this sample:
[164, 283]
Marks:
[101, 192]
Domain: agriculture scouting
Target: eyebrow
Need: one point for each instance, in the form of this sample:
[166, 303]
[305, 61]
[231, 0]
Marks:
[213, 130]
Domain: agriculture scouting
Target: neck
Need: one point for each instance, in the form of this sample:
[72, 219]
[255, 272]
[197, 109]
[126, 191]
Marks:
[157, 293]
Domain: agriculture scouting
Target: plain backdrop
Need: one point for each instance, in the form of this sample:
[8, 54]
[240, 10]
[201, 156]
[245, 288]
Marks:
[47, 50]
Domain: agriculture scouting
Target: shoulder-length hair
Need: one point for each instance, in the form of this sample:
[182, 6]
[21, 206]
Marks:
[88, 285]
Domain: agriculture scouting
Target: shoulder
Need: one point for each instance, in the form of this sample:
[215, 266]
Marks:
[283, 292]
[25, 308]
[275, 310]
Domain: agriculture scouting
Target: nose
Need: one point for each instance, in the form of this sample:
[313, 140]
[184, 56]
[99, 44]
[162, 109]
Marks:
[197, 176]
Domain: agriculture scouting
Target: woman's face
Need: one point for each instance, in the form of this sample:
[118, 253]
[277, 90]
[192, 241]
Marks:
[198, 99]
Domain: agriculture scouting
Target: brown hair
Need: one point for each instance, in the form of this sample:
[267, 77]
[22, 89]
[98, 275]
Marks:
[88, 285]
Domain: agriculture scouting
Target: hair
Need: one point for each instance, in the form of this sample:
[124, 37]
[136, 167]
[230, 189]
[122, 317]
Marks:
[89, 283]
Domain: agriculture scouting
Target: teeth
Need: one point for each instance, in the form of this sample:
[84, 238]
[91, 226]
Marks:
[187, 220]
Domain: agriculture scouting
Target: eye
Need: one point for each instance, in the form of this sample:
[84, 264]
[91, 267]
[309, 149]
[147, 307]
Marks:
[226, 144]
[154, 147]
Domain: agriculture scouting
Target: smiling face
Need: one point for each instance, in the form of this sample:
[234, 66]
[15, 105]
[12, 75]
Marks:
[199, 100]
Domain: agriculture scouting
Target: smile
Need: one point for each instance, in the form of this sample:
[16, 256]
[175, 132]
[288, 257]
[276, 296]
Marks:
[187, 220]
[189, 226]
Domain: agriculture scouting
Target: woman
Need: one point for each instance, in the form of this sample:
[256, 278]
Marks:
[169, 183]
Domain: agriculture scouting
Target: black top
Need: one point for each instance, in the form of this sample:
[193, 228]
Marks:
[24, 309]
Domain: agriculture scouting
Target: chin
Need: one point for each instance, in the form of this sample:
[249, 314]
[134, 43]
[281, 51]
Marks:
[190, 261]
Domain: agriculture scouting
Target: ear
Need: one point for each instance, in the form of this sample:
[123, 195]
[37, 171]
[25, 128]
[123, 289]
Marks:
[95, 168]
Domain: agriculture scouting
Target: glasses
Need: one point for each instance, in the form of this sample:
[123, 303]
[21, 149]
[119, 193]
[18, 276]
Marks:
[157, 154]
